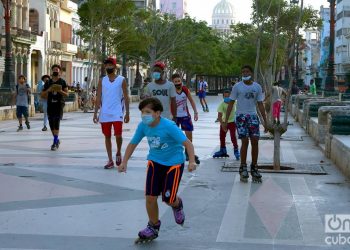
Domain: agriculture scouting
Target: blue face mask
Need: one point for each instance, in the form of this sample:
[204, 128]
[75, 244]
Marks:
[147, 119]
[156, 75]
[227, 99]
[246, 78]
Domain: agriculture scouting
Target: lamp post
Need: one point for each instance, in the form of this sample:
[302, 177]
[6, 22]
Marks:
[9, 77]
[330, 79]
[296, 47]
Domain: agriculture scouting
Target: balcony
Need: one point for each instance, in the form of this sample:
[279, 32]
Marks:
[23, 35]
[345, 58]
[55, 45]
[69, 48]
[55, 35]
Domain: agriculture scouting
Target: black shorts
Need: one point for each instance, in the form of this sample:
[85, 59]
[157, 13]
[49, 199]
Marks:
[163, 180]
[54, 121]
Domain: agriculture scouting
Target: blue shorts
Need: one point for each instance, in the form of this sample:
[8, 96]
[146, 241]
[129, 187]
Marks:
[163, 180]
[202, 94]
[21, 110]
[247, 126]
[185, 123]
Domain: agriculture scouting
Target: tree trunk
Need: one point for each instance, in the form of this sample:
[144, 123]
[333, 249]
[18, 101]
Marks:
[276, 149]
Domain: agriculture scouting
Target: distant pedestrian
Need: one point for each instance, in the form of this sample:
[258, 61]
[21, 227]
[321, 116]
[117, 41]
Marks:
[231, 126]
[248, 94]
[45, 79]
[313, 87]
[165, 164]
[295, 89]
[55, 90]
[112, 95]
[277, 97]
[183, 116]
[143, 89]
[164, 90]
[202, 93]
[22, 99]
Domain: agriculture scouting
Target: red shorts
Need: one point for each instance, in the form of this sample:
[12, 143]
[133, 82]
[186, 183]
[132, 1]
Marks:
[107, 128]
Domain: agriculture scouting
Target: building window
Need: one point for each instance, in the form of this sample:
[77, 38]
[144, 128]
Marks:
[174, 5]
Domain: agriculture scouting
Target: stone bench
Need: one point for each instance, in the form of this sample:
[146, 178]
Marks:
[319, 132]
[298, 106]
[344, 96]
[311, 107]
[337, 142]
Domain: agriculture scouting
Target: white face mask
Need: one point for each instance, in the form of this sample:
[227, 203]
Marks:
[246, 78]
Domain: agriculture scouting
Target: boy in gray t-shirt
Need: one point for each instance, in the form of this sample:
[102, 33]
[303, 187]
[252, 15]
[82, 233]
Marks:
[248, 94]
[22, 95]
[163, 90]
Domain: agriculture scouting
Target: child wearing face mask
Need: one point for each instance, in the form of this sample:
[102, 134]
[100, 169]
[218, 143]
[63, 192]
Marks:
[183, 117]
[231, 126]
[165, 164]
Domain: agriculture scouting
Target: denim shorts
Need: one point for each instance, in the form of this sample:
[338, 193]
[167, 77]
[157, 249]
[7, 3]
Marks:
[21, 110]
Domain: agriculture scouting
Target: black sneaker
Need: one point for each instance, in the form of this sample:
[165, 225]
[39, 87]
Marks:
[27, 124]
[58, 144]
[44, 128]
[20, 127]
[54, 147]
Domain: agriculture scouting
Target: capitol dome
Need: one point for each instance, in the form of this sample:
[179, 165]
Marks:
[223, 17]
[223, 8]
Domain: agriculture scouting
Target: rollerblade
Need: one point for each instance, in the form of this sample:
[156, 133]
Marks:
[222, 153]
[243, 172]
[149, 233]
[256, 176]
[179, 214]
[196, 158]
[236, 153]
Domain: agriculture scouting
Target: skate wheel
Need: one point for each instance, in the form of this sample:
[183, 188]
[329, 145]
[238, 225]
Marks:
[142, 241]
[257, 181]
[244, 180]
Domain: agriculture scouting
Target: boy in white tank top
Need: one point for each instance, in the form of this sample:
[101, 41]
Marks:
[112, 95]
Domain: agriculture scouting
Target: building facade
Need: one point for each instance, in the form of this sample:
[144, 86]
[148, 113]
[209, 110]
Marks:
[324, 42]
[223, 17]
[342, 40]
[174, 7]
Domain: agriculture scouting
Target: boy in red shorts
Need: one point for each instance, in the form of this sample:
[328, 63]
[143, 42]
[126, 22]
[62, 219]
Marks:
[112, 96]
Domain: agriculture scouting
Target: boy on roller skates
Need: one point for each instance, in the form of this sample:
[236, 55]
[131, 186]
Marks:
[165, 164]
[183, 117]
[247, 93]
[231, 126]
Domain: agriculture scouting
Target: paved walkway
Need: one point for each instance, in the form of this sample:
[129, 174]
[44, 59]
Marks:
[66, 200]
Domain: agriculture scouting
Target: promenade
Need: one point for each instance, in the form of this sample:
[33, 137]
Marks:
[66, 200]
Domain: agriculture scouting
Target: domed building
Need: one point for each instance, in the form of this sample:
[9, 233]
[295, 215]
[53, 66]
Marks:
[223, 17]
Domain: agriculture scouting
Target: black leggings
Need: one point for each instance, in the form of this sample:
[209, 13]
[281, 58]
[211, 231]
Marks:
[54, 122]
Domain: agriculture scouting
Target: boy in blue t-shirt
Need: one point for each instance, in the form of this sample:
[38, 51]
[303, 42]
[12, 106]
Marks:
[165, 163]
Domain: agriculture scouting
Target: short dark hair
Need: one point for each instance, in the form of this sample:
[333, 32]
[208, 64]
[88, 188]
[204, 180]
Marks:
[45, 76]
[276, 84]
[227, 91]
[176, 75]
[248, 67]
[22, 76]
[154, 104]
[56, 66]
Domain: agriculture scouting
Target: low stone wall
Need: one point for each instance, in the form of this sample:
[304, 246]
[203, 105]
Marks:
[340, 152]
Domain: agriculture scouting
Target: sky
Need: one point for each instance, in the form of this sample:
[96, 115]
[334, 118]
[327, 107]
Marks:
[202, 9]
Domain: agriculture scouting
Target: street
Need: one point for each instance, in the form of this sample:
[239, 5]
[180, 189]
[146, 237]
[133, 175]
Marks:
[66, 200]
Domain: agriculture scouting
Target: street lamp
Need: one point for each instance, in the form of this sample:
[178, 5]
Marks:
[8, 84]
[9, 77]
[330, 79]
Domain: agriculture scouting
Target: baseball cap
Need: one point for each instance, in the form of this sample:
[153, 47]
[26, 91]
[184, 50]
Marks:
[110, 60]
[159, 64]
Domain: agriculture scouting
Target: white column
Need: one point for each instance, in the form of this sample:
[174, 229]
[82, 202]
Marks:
[29, 69]
[25, 20]
[13, 14]
[19, 16]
